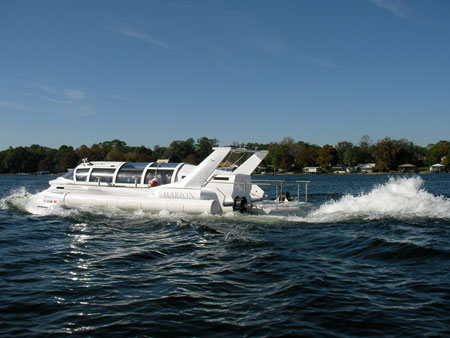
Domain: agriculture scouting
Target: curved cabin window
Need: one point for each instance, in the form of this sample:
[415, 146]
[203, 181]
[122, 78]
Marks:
[131, 173]
[68, 175]
[81, 175]
[163, 176]
[102, 175]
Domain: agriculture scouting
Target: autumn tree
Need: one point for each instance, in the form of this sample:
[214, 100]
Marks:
[97, 153]
[327, 156]
[115, 155]
[83, 152]
[387, 155]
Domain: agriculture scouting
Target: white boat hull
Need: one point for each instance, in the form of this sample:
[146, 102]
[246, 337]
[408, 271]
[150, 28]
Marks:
[143, 202]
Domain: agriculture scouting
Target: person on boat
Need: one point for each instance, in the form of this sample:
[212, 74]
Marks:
[154, 183]
[148, 178]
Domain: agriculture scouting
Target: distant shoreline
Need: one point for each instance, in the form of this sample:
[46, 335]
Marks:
[349, 174]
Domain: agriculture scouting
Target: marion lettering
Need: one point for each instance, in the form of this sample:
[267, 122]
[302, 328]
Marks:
[178, 194]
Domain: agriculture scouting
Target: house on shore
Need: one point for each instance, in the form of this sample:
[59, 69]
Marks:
[312, 170]
[339, 169]
[407, 168]
[438, 168]
[367, 168]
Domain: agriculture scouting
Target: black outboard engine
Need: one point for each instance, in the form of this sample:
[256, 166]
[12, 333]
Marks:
[284, 196]
[240, 204]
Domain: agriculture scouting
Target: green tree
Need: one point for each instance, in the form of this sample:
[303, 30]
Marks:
[117, 145]
[14, 159]
[435, 153]
[280, 157]
[179, 151]
[347, 153]
[2, 157]
[65, 158]
[84, 152]
[159, 152]
[68, 160]
[274, 155]
[204, 147]
[256, 146]
[389, 154]
[144, 154]
[409, 152]
[364, 150]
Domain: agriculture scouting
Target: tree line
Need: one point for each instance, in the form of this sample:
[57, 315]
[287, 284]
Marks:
[287, 155]
[387, 154]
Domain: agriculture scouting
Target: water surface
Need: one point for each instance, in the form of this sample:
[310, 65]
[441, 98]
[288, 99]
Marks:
[372, 259]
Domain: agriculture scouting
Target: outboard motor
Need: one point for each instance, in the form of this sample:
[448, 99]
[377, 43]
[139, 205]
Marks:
[240, 204]
[284, 196]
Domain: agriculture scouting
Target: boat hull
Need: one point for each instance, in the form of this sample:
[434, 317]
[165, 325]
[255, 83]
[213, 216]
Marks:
[150, 204]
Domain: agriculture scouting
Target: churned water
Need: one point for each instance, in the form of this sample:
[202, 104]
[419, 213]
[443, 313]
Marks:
[371, 259]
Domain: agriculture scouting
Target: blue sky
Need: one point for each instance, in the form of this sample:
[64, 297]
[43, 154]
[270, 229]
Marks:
[149, 72]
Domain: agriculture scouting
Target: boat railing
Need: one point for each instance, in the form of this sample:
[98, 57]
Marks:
[281, 187]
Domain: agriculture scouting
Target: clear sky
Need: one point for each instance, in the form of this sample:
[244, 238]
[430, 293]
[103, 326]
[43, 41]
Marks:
[150, 72]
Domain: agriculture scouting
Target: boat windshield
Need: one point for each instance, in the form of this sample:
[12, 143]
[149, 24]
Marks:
[81, 174]
[68, 175]
[131, 172]
[233, 160]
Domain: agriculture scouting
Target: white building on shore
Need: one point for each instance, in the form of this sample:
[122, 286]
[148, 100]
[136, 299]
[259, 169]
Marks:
[312, 170]
[438, 168]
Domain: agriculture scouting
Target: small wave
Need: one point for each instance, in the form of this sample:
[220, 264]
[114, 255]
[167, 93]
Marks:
[19, 199]
[399, 198]
[22, 200]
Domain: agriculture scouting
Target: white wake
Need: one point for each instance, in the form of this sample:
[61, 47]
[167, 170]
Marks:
[401, 198]
[24, 201]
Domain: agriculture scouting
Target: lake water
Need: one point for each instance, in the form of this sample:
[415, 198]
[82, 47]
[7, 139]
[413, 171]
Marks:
[372, 259]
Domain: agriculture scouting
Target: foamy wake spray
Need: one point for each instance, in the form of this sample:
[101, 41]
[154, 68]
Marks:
[400, 198]
[20, 199]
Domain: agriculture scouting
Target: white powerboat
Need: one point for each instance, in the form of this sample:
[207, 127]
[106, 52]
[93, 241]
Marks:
[219, 184]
